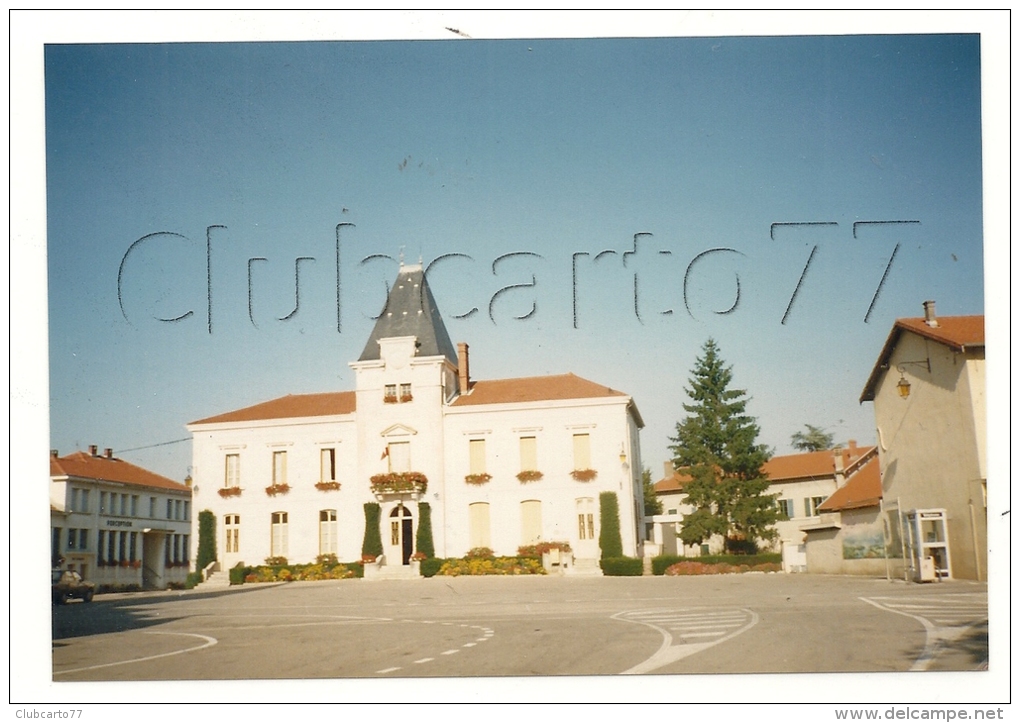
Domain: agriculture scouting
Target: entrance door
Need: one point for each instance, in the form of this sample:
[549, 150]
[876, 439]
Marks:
[401, 535]
[587, 544]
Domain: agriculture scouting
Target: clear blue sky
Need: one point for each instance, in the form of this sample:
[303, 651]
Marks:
[487, 148]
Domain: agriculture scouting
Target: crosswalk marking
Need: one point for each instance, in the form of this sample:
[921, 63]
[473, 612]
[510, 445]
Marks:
[944, 617]
[680, 627]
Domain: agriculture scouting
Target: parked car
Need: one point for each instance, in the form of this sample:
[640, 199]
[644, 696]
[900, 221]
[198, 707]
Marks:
[68, 584]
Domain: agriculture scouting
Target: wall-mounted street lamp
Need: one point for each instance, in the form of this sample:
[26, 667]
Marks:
[903, 386]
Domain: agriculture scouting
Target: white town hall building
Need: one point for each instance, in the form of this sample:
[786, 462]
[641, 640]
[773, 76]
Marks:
[501, 463]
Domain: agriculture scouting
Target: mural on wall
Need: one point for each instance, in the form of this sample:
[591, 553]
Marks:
[864, 545]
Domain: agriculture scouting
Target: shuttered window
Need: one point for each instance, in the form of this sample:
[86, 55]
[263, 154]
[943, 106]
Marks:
[477, 447]
[478, 523]
[582, 451]
[529, 454]
[531, 522]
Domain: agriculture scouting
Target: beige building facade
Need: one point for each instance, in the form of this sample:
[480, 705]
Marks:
[928, 390]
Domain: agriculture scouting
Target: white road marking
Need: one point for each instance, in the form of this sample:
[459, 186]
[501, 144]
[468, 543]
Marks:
[936, 634]
[449, 652]
[670, 653]
[209, 642]
[386, 670]
[468, 645]
[424, 660]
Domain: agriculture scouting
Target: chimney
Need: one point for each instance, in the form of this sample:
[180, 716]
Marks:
[108, 452]
[93, 449]
[463, 376]
[54, 453]
[929, 314]
[840, 475]
[667, 468]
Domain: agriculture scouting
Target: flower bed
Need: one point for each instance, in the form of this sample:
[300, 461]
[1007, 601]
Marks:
[529, 475]
[399, 482]
[584, 475]
[324, 570]
[691, 567]
[229, 491]
[477, 479]
[280, 489]
[492, 566]
[540, 548]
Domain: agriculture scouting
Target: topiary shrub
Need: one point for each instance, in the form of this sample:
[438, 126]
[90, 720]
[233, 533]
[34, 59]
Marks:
[372, 544]
[423, 539]
[193, 579]
[206, 539]
[610, 541]
[237, 574]
[622, 566]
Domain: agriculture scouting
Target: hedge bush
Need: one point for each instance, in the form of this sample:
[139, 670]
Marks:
[423, 539]
[237, 573]
[193, 579]
[660, 563]
[206, 539]
[430, 566]
[372, 544]
[622, 566]
[610, 541]
[692, 567]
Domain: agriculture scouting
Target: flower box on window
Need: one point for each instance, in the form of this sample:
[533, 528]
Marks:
[125, 563]
[406, 398]
[280, 489]
[477, 479]
[327, 486]
[529, 475]
[390, 399]
[136, 564]
[229, 491]
[584, 475]
[399, 482]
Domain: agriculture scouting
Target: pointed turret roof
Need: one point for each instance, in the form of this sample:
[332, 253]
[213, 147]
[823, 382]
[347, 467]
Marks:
[411, 311]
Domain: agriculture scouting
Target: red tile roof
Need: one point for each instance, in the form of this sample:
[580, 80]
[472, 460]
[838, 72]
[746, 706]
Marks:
[813, 465]
[534, 389]
[960, 333]
[863, 489]
[289, 407]
[110, 469]
[672, 484]
[806, 465]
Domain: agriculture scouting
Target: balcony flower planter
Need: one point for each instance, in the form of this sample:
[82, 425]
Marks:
[229, 491]
[136, 564]
[529, 475]
[584, 475]
[125, 563]
[477, 479]
[281, 489]
[327, 486]
[395, 482]
[406, 398]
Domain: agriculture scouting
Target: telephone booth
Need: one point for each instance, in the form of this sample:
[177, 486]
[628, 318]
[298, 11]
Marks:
[929, 544]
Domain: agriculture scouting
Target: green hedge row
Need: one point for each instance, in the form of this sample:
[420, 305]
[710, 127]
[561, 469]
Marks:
[622, 566]
[660, 563]
[430, 566]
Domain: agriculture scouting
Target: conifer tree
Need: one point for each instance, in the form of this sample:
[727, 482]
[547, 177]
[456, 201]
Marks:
[717, 446]
[815, 439]
[206, 539]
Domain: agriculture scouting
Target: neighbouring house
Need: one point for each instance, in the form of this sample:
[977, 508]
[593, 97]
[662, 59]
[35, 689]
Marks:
[928, 390]
[801, 482]
[500, 463]
[849, 535]
[118, 524]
